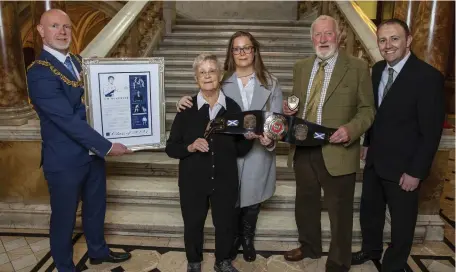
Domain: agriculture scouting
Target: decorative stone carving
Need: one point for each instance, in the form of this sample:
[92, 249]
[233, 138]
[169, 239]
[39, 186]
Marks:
[140, 35]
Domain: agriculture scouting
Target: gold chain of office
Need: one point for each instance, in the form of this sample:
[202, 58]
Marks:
[58, 73]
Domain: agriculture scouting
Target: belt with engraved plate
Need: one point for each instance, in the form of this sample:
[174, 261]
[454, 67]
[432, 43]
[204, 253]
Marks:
[277, 126]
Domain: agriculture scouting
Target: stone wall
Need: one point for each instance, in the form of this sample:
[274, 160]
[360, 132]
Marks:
[262, 10]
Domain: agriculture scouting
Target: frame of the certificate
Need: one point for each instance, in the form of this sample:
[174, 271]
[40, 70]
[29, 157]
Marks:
[125, 100]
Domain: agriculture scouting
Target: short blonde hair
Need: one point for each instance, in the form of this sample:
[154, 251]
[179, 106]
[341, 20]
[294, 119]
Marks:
[206, 57]
[325, 17]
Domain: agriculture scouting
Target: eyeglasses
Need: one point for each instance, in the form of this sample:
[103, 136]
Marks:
[209, 73]
[246, 50]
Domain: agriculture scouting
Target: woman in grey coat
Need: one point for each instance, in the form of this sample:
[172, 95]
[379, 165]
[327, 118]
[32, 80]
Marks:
[247, 81]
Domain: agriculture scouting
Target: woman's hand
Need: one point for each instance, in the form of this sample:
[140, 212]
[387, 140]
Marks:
[184, 102]
[200, 145]
[264, 140]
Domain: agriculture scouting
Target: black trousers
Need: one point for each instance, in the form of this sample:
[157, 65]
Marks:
[312, 175]
[194, 206]
[403, 207]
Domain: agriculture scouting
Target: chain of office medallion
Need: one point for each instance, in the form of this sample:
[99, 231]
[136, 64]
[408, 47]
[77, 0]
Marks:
[57, 72]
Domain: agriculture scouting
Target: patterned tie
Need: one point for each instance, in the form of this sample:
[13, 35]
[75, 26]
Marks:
[69, 66]
[315, 93]
[390, 81]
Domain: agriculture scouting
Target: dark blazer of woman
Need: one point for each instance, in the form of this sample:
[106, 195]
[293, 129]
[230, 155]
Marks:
[216, 169]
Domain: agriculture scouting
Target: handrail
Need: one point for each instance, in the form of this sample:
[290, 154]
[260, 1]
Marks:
[362, 26]
[113, 33]
[358, 32]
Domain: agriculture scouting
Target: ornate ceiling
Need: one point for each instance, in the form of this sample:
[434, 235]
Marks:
[88, 18]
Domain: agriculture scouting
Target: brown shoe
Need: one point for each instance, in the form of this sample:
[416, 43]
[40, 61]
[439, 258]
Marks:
[297, 254]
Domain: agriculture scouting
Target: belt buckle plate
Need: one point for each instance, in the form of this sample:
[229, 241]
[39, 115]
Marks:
[275, 127]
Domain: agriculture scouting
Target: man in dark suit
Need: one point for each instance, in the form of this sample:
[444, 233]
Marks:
[55, 89]
[401, 145]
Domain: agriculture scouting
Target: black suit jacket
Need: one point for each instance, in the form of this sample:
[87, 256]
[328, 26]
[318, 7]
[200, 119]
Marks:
[408, 125]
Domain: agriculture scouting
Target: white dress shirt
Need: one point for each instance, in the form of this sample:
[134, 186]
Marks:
[329, 68]
[384, 80]
[221, 102]
[247, 91]
[61, 57]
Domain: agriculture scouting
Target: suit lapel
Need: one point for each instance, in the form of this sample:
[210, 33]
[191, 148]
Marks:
[376, 77]
[76, 63]
[260, 96]
[338, 73]
[231, 89]
[57, 64]
[304, 74]
[403, 74]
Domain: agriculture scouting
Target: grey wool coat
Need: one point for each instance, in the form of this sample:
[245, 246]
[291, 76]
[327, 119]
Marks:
[257, 170]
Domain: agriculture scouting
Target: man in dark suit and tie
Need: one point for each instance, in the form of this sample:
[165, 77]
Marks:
[400, 145]
[72, 152]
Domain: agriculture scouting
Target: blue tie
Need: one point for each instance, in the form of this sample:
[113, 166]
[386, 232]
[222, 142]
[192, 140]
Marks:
[69, 66]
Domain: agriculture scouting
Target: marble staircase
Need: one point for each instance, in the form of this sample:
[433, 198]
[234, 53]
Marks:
[143, 199]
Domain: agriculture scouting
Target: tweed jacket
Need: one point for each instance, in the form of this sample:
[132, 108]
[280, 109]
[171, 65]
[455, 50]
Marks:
[349, 102]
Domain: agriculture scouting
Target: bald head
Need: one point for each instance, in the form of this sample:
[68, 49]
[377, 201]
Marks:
[55, 30]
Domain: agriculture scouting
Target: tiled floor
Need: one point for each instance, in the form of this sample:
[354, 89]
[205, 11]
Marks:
[21, 253]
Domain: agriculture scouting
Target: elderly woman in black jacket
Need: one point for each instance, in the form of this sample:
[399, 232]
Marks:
[208, 174]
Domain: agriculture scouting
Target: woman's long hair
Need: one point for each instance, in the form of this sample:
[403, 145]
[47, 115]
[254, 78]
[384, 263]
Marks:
[258, 66]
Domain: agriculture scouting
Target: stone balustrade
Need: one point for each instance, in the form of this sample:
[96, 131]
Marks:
[133, 32]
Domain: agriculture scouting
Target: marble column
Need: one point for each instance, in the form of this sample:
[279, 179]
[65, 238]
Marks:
[431, 30]
[38, 8]
[14, 107]
[405, 10]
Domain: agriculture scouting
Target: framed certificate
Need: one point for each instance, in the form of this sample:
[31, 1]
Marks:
[125, 100]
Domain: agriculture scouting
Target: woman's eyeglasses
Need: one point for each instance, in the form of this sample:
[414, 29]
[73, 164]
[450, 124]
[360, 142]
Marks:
[209, 73]
[246, 50]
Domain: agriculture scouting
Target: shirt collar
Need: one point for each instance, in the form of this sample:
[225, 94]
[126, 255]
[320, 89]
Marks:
[252, 76]
[201, 101]
[330, 60]
[398, 67]
[61, 57]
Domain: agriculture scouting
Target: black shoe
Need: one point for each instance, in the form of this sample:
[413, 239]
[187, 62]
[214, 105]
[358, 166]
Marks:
[194, 267]
[361, 257]
[113, 257]
[235, 248]
[224, 266]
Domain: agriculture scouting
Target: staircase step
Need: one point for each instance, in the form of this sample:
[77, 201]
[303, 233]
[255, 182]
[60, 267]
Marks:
[157, 163]
[237, 27]
[147, 163]
[260, 36]
[165, 191]
[189, 75]
[184, 54]
[272, 66]
[202, 44]
[167, 222]
[243, 22]
[181, 89]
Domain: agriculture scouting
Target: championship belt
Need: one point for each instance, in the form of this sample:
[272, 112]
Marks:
[276, 126]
